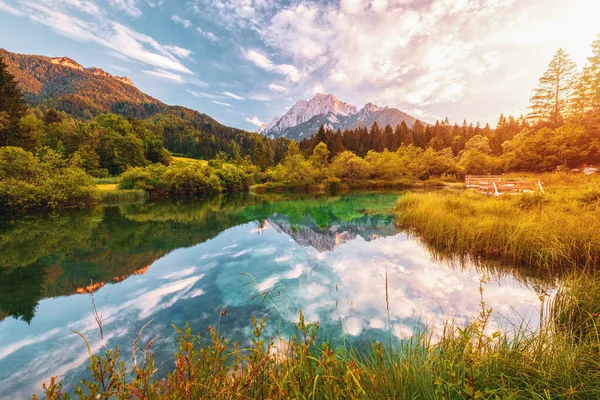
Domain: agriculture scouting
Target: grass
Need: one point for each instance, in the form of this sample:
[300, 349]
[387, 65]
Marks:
[559, 360]
[110, 179]
[189, 160]
[556, 230]
[112, 194]
[369, 184]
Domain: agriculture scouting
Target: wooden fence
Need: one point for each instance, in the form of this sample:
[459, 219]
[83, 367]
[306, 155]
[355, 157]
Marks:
[496, 185]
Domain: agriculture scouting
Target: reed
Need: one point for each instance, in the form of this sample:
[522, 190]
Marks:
[123, 196]
[556, 230]
[465, 362]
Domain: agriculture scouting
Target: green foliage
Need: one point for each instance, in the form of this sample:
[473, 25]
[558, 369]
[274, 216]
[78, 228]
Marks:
[545, 149]
[45, 181]
[12, 107]
[233, 179]
[185, 179]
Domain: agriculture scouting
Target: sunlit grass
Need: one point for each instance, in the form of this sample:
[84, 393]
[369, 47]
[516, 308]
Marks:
[558, 360]
[122, 196]
[558, 229]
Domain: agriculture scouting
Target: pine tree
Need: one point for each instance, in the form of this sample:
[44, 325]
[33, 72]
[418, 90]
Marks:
[587, 98]
[553, 96]
[12, 107]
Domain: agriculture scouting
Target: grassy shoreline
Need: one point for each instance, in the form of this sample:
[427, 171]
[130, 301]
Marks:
[346, 186]
[556, 230]
[559, 360]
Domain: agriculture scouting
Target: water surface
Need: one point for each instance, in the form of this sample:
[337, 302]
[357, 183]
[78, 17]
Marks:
[252, 255]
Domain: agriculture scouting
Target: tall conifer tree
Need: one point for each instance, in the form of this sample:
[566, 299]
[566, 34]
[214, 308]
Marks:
[553, 96]
[12, 107]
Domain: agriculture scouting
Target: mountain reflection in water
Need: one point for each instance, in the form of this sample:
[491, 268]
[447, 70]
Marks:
[184, 262]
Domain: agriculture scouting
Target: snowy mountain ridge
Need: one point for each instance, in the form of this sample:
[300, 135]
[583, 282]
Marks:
[306, 116]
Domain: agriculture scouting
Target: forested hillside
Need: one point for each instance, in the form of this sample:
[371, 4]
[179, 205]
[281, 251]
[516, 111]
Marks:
[85, 93]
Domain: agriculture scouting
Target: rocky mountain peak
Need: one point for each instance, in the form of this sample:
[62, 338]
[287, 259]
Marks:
[101, 72]
[370, 108]
[66, 62]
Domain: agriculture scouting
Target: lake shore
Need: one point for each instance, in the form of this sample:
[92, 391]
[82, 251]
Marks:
[556, 230]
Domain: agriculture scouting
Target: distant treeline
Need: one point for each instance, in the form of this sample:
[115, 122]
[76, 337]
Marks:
[562, 129]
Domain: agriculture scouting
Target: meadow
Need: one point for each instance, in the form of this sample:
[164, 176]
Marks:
[558, 229]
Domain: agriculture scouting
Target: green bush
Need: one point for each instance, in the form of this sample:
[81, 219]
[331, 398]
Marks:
[43, 182]
[232, 178]
[190, 180]
[182, 179]
[146, 178]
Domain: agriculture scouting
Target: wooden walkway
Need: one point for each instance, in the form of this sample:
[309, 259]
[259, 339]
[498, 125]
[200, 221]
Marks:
[496, 185]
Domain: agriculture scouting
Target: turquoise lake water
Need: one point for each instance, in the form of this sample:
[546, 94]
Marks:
[185, 262]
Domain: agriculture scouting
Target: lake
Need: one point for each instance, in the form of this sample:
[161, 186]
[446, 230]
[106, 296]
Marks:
[253, 255]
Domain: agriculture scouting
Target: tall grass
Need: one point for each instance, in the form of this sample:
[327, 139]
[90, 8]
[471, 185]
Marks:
[107, 180]
[123, 196]
[556, 230]
[466, 362]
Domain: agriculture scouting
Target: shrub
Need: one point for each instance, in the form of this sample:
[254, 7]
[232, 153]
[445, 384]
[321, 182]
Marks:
[146, 178]
[43, 182]
[232, 178]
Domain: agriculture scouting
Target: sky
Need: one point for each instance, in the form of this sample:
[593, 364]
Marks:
[243, 62]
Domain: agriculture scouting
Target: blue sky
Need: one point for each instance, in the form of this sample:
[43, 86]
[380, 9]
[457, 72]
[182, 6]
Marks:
[246, 61]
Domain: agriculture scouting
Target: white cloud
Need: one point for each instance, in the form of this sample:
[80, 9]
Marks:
[254, 121]
[260, 97]
[129, 7]
[178, 51]
[233, 96]
[111, 35]
[162, 74]
[9, 9]
[204, 95]
[155, 3]
[221, 103]
[277, 88]
[263, 62]
[209, 35]
[185, 22]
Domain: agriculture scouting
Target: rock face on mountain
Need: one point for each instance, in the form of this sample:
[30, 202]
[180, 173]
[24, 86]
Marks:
[310, 235]
[65, 84]
[305, 117]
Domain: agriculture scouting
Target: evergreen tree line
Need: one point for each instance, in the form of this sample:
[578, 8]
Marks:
[561, 130]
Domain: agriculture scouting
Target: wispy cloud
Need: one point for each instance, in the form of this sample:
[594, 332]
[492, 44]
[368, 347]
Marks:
[129, 7]
[260, 97]
[10, 9]
[221, 103]
[254, 121]
[233, 96]
[162, 74]
[209, 35]
[277, 88]
[110, 34]
[204, 95]
[263, 62]
[185, 22]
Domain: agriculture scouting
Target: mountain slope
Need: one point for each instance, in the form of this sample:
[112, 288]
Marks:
[305, 117]
[63, 84]
[82, 92]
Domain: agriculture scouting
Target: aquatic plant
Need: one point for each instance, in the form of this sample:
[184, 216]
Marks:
[466, 362]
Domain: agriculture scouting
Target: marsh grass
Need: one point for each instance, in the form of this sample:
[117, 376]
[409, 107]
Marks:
[465, 362]
[123, 196]
[107, 180]
[556, 230]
